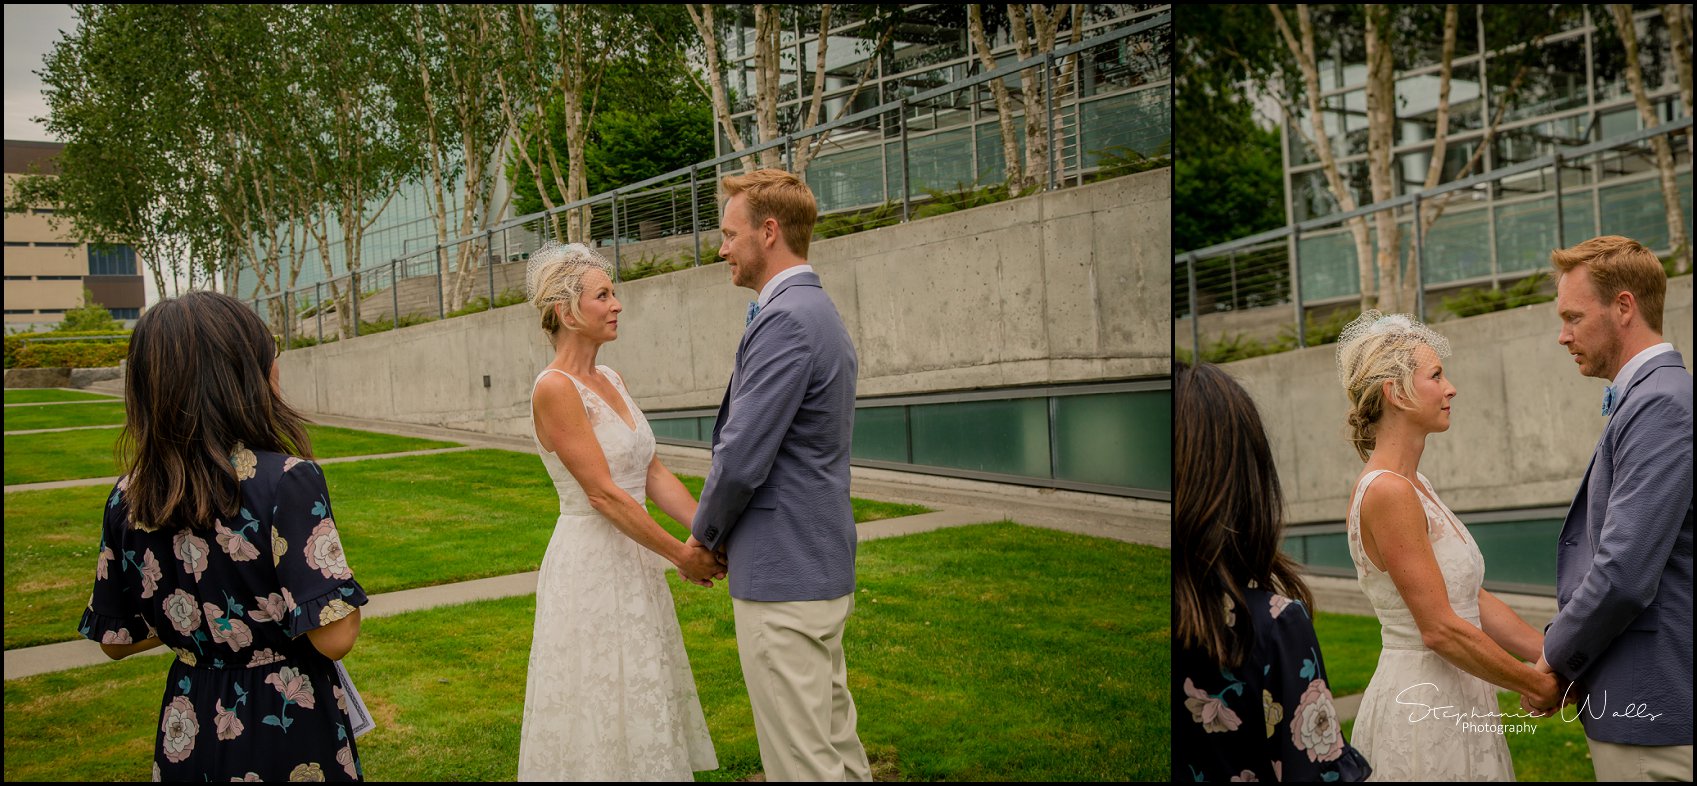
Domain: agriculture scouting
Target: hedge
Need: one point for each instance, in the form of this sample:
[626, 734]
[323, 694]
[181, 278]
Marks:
[68, 354]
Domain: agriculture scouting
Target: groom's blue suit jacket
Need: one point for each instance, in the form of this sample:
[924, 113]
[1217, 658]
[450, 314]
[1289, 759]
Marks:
[777, 497]
[1623, 568]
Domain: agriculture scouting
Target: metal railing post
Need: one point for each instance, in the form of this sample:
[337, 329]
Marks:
[353, 300]
[288, 316]
[1296, 283]
[1049, 110]
[492, 258]
[1195, 333]
[394, 289]
[901, 121]
[1419, 260]
[441, 263]
[694, 215]
[318, 297]
[1561, 220]
[616, 238]
[789, 154]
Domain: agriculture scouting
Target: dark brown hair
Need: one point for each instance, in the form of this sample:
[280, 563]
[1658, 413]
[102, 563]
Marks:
[198, 381]
[1228, 513]
[1619, 264]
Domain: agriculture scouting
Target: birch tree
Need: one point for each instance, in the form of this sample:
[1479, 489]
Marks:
[1627, 28]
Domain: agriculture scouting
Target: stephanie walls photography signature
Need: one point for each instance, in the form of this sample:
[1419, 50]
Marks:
[1424, 711]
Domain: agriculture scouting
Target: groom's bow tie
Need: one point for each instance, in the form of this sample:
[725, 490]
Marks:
[754, 309]
[1610, 398]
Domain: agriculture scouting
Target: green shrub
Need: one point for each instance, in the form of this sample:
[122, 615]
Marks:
[70, 354]
[839, 224]
[91, 316]
[1474, 301]
[1122, 160]
[17, 341]
[386, 324]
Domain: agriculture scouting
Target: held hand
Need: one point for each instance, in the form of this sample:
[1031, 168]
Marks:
[1546, 695]
[698, 565]
[718, 554]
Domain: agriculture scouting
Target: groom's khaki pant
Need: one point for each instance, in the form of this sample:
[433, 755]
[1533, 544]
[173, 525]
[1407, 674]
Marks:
[792, 662]
[1617, 762]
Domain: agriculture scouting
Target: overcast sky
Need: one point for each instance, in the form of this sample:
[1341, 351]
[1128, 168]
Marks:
[31, 31]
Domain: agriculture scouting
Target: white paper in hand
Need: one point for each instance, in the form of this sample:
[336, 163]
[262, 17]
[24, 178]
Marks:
[357, 713]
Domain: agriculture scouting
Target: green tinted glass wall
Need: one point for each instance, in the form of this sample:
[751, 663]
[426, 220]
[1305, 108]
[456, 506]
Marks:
[1521, 553]
[880, 433]
[676, 428]
[1006, 437]
[1115, 439]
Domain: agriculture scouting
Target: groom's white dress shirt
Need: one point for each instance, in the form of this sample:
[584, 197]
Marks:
[1637, 362]
[771, 288]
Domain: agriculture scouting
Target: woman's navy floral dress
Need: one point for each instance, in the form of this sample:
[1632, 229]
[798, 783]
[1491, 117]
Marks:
[248, 697]
[1270, 719]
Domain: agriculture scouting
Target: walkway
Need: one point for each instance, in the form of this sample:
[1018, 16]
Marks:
[30, 661]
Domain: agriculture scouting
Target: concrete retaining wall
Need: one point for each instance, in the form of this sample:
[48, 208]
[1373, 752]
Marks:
[1523, 424]
[1067, 286]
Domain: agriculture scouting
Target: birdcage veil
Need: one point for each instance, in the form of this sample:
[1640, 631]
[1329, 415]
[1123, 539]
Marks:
[1372, 334]
[555, 273]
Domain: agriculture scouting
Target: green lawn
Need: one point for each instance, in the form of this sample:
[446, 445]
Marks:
[1555, 752]
[104, 413]
[38, 395]
[993, 652]
[66, 455]
[405, 522]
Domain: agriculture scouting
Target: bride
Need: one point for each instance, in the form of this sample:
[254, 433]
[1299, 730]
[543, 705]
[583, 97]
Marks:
[1448, 643]
[609, 696]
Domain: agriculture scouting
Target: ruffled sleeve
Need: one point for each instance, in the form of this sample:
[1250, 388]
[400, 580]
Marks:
[317, 583]
[113, 615]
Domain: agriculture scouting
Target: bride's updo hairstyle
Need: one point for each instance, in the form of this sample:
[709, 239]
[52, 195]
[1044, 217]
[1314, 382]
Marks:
[1372, 350]
[555, 275]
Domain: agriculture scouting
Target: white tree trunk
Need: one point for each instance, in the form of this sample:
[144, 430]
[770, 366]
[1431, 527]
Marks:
[1664, 151]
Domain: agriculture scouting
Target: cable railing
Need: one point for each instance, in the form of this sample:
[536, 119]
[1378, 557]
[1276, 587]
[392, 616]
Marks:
[1106, 110]
[1482, 241]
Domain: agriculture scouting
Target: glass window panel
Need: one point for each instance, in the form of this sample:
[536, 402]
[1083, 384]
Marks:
[676, 428]
[1526, 231]
[1555, 81]
[1116, 439]
[1330, 550]
[1636, 211]
[1580, 219]
[1296, 547]
[1140, 120]
[1417, 104]
[706, 425]
[842, 179]
[1008, 437]
[942, 160]
[1519, 551]
[1458, 246]
[1328, 266]
[880, 433]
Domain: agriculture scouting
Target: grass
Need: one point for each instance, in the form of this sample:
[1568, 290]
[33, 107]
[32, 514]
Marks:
[1555, 752]
[405, 523]
[68, 455]
[65, 416]
[39, 395]
[989, 652]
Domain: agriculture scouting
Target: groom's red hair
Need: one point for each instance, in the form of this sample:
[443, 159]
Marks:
[1620, 264]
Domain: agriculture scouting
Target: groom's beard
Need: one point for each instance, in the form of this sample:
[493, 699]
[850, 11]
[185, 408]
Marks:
[1602, 360]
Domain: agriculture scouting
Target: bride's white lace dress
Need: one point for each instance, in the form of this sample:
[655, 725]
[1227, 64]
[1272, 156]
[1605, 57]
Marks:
[1394, 729]
[609, 696]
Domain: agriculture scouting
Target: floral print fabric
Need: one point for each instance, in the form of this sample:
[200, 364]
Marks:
[1283, 685]
[248, 697]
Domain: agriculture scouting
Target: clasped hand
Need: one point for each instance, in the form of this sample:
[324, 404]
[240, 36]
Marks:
[699, 564]
[1560, 693]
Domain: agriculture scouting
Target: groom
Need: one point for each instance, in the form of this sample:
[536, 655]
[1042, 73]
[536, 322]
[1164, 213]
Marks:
[777, 498]
[1623, 569]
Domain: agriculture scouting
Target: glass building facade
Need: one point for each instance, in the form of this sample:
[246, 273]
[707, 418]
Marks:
[1118, 101]
[1575, 93]
[1107, 438]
